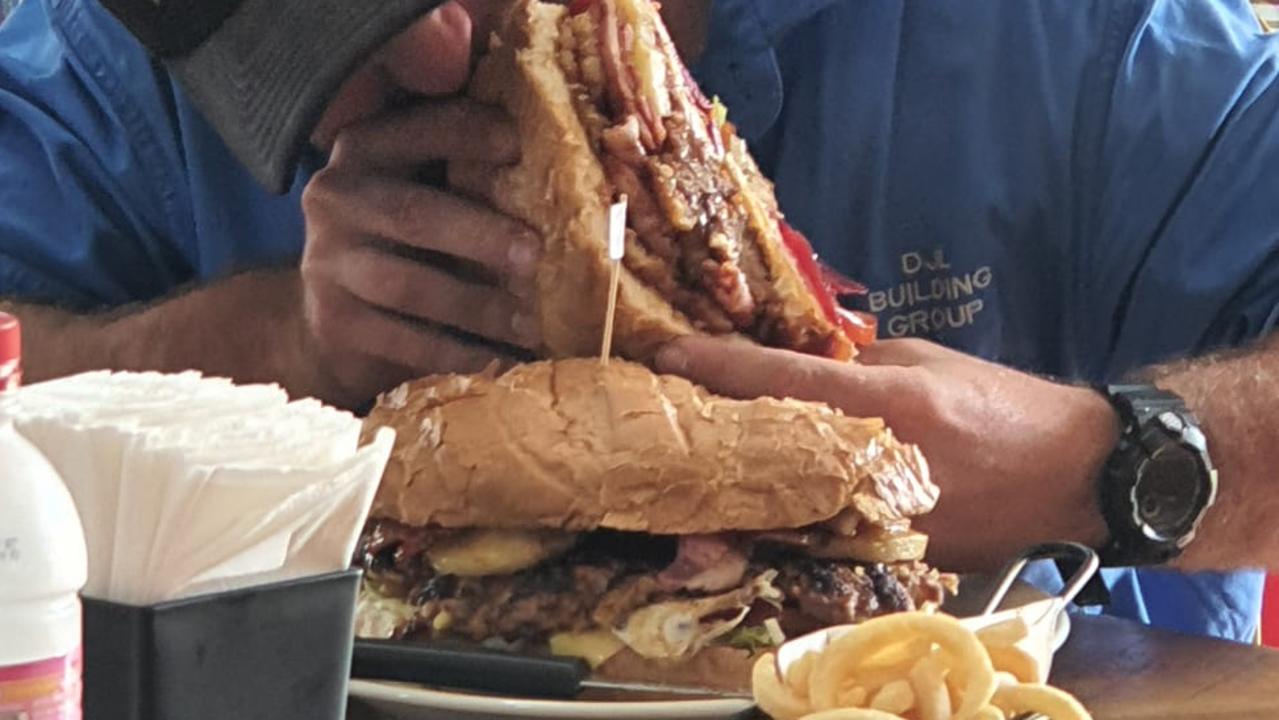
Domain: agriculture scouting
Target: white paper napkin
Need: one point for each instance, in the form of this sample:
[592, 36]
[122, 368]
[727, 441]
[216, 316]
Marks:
[188, 485]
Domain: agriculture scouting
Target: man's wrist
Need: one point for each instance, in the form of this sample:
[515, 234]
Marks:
[249, 327]
[1099, 431]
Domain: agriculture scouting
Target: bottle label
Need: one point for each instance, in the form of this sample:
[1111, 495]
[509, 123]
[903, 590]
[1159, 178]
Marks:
[43, 690]
[10, 379]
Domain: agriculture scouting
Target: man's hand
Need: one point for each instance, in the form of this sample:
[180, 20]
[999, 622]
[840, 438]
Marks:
[430, 58]
[1017, 457]
[402, 279]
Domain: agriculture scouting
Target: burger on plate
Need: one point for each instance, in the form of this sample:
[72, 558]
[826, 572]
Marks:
[638, 521]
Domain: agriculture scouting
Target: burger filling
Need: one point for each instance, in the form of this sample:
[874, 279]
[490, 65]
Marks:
[692, 234]
[594, 594]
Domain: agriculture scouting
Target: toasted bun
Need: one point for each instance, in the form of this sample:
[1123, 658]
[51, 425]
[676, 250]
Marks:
[715, 668]
[577, 445]
[560, 189]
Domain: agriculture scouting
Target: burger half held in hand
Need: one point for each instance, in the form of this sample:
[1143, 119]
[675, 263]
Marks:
[635, 520]
[605, 109]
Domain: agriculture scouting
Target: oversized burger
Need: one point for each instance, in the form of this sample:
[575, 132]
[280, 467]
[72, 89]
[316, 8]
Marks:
[605, 108]
[636, 520]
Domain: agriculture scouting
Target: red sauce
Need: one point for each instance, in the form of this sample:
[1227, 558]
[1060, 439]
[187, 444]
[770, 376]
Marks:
[826, 285]
[838, 284]
[860, 327]
[806, 259]
[577, 7]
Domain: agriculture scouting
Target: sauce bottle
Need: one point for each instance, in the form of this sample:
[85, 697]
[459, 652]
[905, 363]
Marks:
[43, 566]
[10, 353]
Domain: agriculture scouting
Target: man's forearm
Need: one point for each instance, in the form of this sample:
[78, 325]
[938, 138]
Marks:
[1236, 397]
[247, 327]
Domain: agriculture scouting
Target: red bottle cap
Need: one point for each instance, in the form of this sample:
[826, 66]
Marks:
[10, 339]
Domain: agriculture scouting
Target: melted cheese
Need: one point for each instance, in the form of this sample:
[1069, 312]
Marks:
[876, 546]
[497, 552]
[595, 646]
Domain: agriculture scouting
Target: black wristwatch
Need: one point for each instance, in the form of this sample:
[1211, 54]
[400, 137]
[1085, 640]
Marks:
[1159, 482]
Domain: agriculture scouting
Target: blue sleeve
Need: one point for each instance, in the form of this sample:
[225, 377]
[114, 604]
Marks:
[1184, 200]
[85, 201]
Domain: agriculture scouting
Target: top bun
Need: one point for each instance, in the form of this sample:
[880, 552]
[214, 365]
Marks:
[577, 445]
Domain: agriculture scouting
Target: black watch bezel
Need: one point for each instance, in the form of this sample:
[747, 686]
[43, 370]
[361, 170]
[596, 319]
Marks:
[1154, 424]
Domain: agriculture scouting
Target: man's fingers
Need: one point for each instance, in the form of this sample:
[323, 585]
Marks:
[407, 287]
[742, 369]
[477, 181]
[888, 352]
[363, 95]
[904, 352]
[428, 219]
[433, 55]
[733, 367]
[419, 349]
[453, 130]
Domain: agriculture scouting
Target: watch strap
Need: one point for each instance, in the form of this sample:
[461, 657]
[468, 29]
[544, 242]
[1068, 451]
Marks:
[1139, 404]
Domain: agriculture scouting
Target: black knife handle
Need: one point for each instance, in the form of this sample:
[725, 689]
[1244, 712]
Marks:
[477, 670]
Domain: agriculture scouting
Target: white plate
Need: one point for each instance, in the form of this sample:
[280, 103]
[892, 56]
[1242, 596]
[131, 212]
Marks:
[397, 701]
[412, 702]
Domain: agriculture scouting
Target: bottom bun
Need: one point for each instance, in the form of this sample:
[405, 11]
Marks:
[714, 668]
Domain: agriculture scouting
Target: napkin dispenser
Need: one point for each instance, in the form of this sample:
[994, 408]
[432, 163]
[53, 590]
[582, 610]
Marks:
[220, 520]
[272, 652]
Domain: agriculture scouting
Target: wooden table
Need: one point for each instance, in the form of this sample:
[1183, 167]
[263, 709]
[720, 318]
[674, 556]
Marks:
[1123, 671]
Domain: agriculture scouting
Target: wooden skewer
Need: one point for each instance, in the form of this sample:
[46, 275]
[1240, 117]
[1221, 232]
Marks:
[616, 251]
[607, 349]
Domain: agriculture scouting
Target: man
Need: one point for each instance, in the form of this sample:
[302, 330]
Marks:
[1072, 189]
[979, 151]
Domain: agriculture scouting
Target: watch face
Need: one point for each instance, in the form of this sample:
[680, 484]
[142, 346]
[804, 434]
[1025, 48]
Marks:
[1166, 497]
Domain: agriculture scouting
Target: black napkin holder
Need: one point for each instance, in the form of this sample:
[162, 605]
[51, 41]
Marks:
[272, 652]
